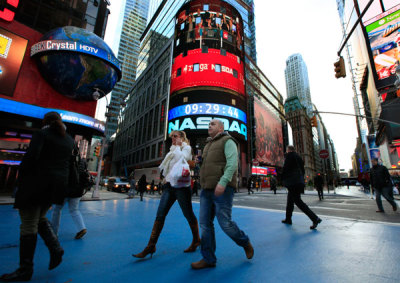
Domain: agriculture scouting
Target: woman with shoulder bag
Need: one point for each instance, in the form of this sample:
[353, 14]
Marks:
[180, 148]
[42, 181]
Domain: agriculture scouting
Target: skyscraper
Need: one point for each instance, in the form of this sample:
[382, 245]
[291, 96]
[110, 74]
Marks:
[134, 24]
[297, 83]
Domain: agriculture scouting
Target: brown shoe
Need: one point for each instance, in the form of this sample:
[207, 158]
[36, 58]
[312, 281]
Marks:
[80, 234]
[249, 250]
[202, 264]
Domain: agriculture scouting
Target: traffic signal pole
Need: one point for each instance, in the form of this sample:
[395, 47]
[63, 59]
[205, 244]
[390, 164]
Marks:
[96, 193]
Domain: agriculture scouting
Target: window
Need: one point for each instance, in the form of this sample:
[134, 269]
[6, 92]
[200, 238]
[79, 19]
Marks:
[204, 49]
[185, 99]
[156, 121]
[182, 26]
[153, 151]
[205, 7]
[179, 72]
[196, 67]
[177, 41]
[235, 73]
[198, 20]
[218, 68]
[223, 52]
[160, 149]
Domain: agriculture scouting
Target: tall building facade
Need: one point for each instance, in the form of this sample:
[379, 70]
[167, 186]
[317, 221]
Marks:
[297, 83]
[159, 101]
[374, 90]
[133, 26]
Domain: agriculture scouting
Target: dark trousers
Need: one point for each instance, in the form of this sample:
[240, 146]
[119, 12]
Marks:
[31, 217]
[320, 193]
[295, 198]
[168, 198]
[387, 193]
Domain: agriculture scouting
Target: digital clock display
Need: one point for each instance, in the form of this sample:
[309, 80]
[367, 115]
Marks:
[207, 108]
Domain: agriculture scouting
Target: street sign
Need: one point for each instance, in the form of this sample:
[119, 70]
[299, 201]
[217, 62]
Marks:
[324, 154]
[255, 162]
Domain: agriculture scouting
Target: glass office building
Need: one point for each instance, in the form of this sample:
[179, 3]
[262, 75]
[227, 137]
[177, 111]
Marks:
[134, 23]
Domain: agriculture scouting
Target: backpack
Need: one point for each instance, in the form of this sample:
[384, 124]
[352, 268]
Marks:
[80, 180]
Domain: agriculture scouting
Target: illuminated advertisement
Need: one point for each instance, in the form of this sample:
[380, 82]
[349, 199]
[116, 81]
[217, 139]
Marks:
[263, 171]
[12, 51]
[188, 124]
[194, 112]
[384, 38]
[7, 13]
[269, 136]
[28, 110]
[207, 108]
[208, 47]
[65, 45]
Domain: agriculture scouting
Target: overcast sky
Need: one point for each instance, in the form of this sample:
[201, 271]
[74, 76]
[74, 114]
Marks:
[311, 28]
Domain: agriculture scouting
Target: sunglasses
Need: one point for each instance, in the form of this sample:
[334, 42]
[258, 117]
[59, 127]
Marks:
[175, 136]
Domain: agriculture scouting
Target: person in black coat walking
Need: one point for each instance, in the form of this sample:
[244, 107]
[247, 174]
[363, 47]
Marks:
[319, 185]
[293, 180]
[382, 183]
[42, 181]
[142, 186]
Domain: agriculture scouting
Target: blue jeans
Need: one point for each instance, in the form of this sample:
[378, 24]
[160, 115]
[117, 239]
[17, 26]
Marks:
[221, 207]
[168, 198]
[73, 205]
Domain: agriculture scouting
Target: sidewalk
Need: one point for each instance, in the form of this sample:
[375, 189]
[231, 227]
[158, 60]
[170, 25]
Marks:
[339, 251]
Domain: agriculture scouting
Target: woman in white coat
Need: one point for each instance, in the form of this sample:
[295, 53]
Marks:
[180, 148]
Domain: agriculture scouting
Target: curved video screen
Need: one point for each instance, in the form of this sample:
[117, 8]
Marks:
[207, 109]
[208, 47]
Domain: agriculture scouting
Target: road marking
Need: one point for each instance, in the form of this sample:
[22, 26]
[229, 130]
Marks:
[325, 216]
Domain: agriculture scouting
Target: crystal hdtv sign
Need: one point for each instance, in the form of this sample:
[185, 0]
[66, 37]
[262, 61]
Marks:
[12, 52]
[384, 39]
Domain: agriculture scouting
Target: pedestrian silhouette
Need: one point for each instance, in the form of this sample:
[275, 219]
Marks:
[42, 181]
[293, 180]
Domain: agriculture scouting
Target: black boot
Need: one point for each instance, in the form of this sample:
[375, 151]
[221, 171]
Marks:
[50, 239]
[26, 251]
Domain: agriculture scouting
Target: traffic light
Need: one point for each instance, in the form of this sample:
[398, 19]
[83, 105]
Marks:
[340, 69]
[97, 150]
[314, 122]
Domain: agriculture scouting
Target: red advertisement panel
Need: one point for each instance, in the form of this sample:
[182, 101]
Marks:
[263, 171]
[208, 69]
[30, 87]
[269, 136]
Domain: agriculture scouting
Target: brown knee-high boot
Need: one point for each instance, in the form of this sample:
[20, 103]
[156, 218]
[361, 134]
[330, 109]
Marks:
[151, 246]
[196, 238]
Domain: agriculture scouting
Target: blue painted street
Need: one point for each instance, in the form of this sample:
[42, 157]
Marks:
[341, 250]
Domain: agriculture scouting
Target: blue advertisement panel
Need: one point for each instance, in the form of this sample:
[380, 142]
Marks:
[28, 110]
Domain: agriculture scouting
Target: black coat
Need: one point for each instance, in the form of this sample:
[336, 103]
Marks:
[293, 170]
[380, 177]
[44, 170]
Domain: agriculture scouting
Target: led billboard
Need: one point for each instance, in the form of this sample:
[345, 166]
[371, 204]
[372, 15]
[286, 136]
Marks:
[269, 136]
[208, 47]
[194, 112]
[384, 39]
[12, 51]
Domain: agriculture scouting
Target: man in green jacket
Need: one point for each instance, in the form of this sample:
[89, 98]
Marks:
[218, 179]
